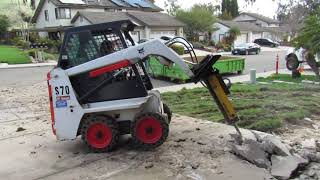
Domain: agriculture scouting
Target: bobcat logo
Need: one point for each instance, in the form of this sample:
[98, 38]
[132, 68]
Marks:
[141, 51]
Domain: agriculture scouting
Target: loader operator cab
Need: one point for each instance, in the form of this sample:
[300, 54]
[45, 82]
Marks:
[84, 44]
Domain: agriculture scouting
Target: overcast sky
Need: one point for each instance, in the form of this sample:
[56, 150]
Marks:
[264, 7]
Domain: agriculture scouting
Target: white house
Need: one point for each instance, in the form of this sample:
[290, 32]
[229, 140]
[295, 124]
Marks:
[51, 17]
[249, 31]
[252, 26]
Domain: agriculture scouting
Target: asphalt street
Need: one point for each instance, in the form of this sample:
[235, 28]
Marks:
[263, 62]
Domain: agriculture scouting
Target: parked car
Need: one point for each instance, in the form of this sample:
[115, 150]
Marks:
[142, 41]
[246, 49]
[266, 42]
[186, 49]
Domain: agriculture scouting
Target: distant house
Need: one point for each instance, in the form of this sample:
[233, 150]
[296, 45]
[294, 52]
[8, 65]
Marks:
[52, 17]
[252, 26]
[249, 31]
[151, 25]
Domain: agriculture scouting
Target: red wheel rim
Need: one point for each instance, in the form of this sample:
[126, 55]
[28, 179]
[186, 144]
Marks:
[149, 130]
[99, 135]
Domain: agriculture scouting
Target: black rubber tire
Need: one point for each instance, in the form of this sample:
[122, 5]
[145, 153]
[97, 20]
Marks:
[167, 111]
[111, 123]
[146, 146]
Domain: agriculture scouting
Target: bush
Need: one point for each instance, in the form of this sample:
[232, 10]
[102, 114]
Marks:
[198, 45]
[224, 46]
[53, 45]
[178, 49]
[212, 43]
[31, 52]
[21, 43]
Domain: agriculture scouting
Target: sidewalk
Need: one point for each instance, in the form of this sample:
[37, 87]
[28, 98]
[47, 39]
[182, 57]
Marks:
[9, 66]
[235, 79]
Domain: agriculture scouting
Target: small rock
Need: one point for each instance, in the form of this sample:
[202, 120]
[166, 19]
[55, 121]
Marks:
[283, 166]
[195, 165]
[181, 140]
[148, 165]
[33, 152]
[273, 145]
[198, 129]
[316, 127]
[75, 153]
[201, 143]
[309, 144]
[308, 119]
[59, 156]
[19, 129]
[221, 137]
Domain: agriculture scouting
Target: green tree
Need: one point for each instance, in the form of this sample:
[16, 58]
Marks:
[197, 20]
[233, 33]
[172, 7]
[234, 8]
[4, 23]
[229, 9]
[309, 39]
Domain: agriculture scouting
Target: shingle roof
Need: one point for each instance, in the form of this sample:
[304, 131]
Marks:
[156, 19]
[102, 17]
[243, 26]
[151, 19]
[261, 17]
[96, 4]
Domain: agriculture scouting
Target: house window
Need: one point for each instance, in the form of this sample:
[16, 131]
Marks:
[63, 13]
[46, 15]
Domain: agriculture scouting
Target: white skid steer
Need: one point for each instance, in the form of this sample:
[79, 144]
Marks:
[100, 88]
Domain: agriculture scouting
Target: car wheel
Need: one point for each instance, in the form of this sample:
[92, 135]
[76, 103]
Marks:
[258, 51]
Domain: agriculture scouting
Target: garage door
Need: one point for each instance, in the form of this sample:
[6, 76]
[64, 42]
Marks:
[241, 39]
[135, 36]
[158, 34]
[256, 36]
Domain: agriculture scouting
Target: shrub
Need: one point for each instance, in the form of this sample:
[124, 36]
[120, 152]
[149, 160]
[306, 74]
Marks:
[21, 43]
[31, 52]
[212, 43]
[178, 49]
[198, 45]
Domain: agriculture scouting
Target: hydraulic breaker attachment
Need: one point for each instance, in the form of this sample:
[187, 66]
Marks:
[204, 72]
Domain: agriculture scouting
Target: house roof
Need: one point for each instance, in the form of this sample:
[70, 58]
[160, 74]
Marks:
[156, 19]
[102, 17]
[145, 5]
[243, 26]
[151, 19]
[261, 17]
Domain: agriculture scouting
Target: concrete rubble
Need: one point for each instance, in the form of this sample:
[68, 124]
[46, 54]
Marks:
[283, 162]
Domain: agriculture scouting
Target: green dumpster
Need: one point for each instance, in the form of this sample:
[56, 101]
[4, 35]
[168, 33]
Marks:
[174, 72]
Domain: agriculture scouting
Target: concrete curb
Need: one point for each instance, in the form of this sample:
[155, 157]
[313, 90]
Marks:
[235, 79]
[7, 66]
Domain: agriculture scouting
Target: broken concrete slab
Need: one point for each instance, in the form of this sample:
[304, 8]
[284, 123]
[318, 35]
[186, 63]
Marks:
[273, 145]
[309, 144]
[284, 166]
[259, 135]
[251, 151]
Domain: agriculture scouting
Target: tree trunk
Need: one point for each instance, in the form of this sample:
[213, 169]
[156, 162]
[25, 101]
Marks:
[311, 60]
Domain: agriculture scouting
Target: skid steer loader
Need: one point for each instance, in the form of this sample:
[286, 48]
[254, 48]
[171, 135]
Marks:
[100, 88]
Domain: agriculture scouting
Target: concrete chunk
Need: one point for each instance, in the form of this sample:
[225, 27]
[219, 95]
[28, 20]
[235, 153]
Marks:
[309, 144]
[283, 166]
[273, 145]
[252, 152]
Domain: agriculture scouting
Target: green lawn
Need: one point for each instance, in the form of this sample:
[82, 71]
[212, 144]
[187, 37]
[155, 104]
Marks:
[287, 78]
[260, 107]
[13, 55]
